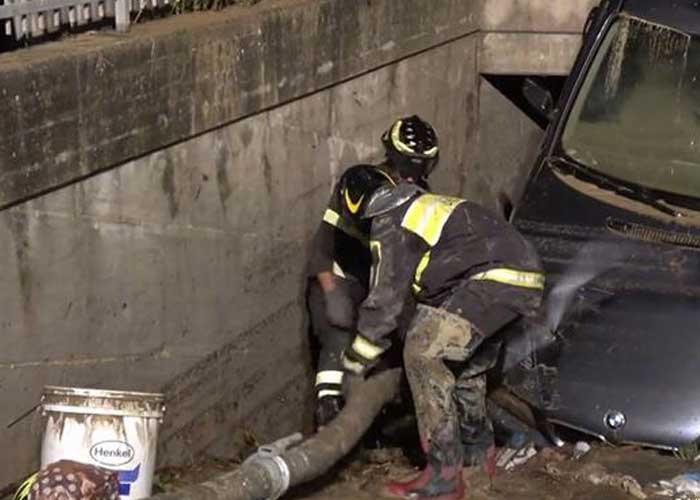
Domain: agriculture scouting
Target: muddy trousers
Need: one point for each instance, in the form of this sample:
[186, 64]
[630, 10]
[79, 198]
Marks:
[332, 339]
[446, 358]
[436, 337]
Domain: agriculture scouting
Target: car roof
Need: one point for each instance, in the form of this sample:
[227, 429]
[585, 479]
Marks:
[682, 15]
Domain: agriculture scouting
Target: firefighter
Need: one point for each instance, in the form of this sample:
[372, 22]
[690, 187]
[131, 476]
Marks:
[340, 258]
[471, 274]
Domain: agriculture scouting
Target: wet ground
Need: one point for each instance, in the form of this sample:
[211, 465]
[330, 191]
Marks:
[621, 474]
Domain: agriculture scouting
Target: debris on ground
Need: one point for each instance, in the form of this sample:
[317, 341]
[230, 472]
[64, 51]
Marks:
[168, 479]
[509, 458]
[682, 487]
[597, 475]
[601, 473]
[581, 449]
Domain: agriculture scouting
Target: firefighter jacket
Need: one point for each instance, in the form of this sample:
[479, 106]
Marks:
[427, 245]
[341, 244]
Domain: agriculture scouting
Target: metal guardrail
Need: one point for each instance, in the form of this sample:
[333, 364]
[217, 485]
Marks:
[33, 18]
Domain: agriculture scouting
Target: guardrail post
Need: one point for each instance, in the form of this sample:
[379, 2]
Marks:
[121, 13]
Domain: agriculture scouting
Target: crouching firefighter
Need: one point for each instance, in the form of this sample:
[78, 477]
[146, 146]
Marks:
[340, 260]
[471, 274]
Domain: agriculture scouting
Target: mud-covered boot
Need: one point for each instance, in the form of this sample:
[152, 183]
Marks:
[483, 458]
[429, 485]
[490, 462]
[440, 480]
[402, 489]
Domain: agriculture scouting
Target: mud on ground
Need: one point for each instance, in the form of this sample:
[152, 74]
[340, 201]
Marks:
[551, 475]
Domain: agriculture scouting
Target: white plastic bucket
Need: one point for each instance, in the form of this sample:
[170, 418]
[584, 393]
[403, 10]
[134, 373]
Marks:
[116, 430]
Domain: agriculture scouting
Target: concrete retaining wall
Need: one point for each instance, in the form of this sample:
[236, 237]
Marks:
[182, 270]
[531, 37]
[160, 190]
[93, 102]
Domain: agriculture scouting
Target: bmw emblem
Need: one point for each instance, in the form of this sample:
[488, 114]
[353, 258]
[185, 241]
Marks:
[615, 420]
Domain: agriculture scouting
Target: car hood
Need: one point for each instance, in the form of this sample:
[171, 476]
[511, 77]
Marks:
[636, 355]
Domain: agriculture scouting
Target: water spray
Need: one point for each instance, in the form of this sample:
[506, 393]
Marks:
[594, 259]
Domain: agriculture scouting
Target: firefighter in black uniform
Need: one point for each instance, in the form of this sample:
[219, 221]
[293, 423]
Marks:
[472, 274]
[340, 260]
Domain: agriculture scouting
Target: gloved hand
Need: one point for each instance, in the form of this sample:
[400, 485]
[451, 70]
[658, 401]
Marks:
[327, 408]
[340, 309]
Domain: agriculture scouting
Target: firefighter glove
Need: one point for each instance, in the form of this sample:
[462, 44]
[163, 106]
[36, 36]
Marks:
[340, 309]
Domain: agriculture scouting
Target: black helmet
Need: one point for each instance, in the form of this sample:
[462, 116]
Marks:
[411, 147]
[357, 186]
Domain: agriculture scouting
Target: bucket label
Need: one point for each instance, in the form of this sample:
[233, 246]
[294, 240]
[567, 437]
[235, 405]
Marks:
[126, 480]
[112, 453]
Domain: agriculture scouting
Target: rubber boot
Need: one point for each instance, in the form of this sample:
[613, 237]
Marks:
[402, 489]
[448, 485]
[440, 480]
[429, 486]
[490, 462]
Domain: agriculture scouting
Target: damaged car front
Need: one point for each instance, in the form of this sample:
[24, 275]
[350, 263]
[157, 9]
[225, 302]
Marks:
[613, 205]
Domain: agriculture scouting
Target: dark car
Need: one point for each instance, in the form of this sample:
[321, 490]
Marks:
[619, 174]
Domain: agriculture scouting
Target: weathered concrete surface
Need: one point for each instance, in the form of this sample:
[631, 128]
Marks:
[528, 53]
[531, 37]
[508, 145]
[184, 270]
[535, 16]
[73, 108]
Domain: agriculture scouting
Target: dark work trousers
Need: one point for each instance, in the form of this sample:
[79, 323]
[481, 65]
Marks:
[451, 403]
[332, 339]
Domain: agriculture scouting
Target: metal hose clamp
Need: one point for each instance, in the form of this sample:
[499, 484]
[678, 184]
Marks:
[269, 457]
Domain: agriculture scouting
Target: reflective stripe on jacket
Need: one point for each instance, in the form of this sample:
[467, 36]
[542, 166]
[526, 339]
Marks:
[431, 244]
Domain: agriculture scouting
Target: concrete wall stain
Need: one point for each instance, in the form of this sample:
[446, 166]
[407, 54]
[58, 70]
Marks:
[222, 180]
[20, 233]
[169, 186]
[191, 382]
[246, 136]
[267, 173]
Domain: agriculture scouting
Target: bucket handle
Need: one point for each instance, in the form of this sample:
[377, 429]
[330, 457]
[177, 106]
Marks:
[84, 410]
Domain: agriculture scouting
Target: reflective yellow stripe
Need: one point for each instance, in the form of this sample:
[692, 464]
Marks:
[419, 271]
[329, 377]
[427, 216]
[376, 248]
[389, 178]
[338, 271]
[332, 217]
[396, 139]
[365, 348]
[431, 152]
[352, 366]
[512, 277]
[329, 392]
[405, 148]
[353, 206]
[26, 487]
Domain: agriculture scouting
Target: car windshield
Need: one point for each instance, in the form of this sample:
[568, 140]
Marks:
[637, 116]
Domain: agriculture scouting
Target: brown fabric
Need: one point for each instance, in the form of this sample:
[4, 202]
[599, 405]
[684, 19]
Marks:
[68, 480]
